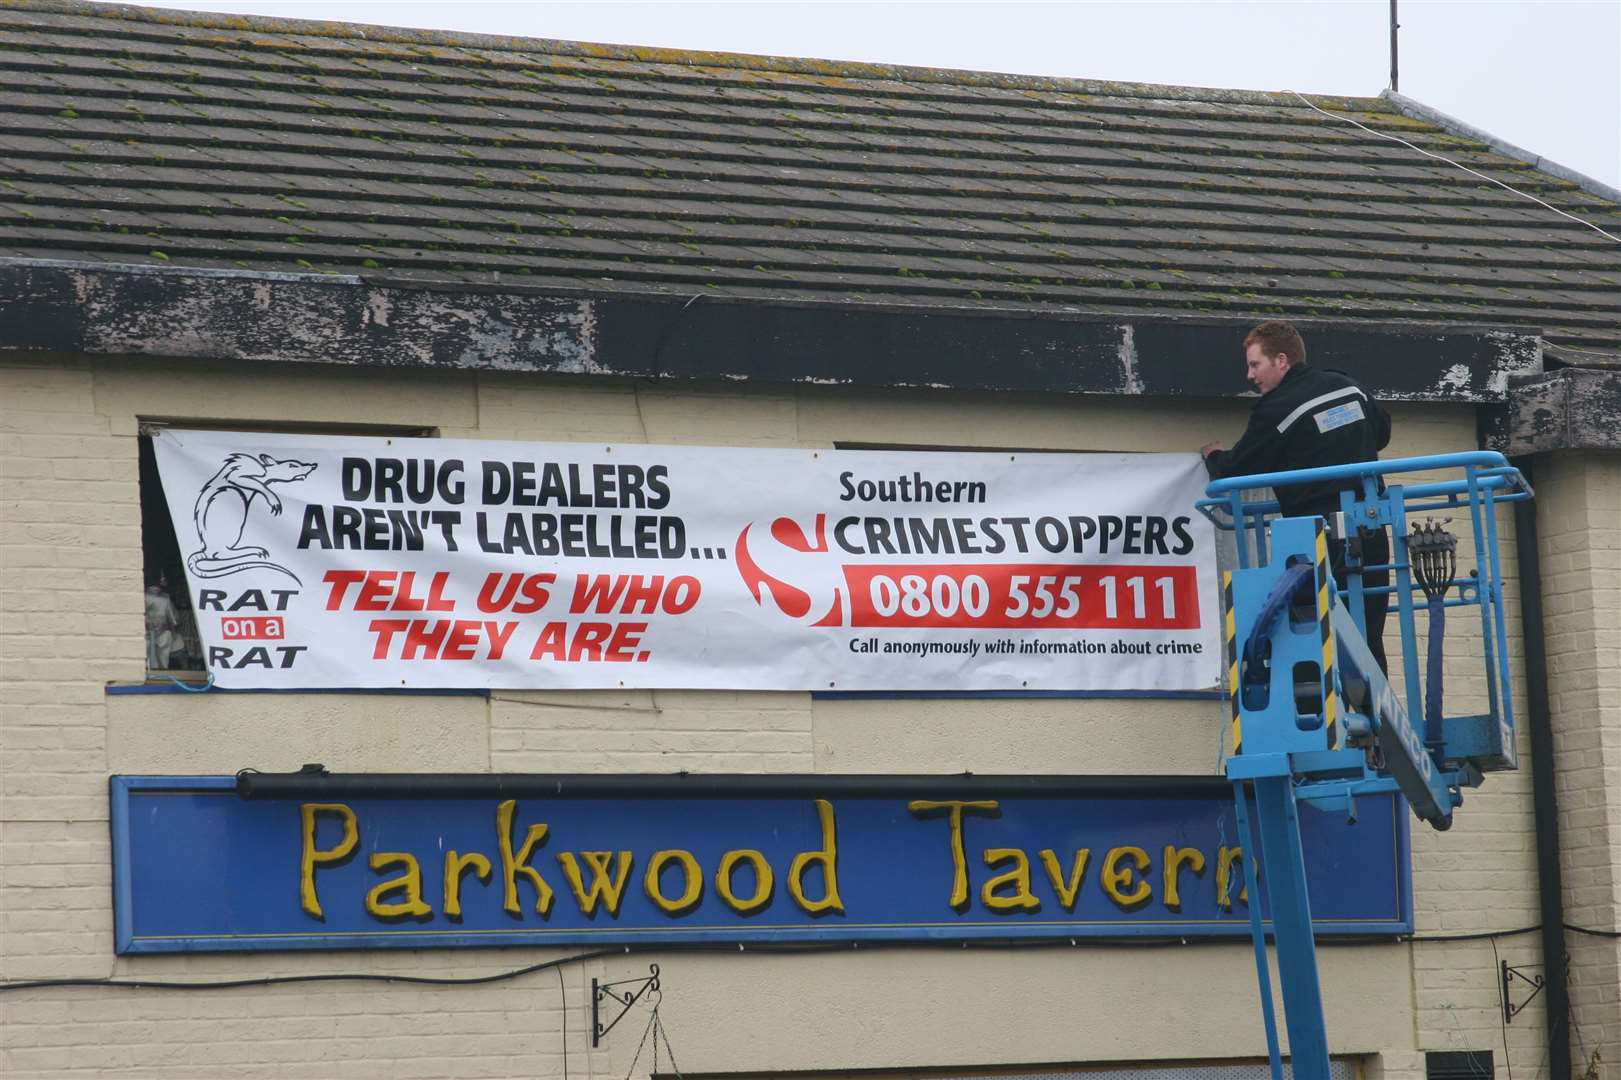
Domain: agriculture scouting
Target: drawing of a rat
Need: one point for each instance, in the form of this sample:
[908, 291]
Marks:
[221, 513]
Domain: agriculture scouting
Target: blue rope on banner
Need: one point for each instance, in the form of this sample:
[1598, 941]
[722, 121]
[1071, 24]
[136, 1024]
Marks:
[193, 688]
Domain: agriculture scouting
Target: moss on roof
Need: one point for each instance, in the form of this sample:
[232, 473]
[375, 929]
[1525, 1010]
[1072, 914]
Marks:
[278, 144]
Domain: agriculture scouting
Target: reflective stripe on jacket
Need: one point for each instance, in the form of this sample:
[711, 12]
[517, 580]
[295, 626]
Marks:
[1314, 417]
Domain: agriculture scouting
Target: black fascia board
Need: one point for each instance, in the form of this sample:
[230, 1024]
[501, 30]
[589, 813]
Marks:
[1564, 409]
[230, 316]
[313, 782]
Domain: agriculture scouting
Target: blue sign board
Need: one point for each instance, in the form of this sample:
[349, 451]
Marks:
[198, 868]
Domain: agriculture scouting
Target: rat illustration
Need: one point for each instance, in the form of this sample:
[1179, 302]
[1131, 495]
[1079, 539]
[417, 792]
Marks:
[221, 513]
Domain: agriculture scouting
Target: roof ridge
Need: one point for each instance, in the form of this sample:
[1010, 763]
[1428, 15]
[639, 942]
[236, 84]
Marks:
[827, 69]
[1417, 110]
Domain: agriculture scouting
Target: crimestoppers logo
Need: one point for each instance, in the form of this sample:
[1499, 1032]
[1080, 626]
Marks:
[224, 505]
[798, 573]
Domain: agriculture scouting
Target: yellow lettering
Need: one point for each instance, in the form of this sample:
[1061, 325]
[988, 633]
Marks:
[1174, 858]
[1022, 899]
[410, 881]
[690, 894]
[762, 881]
[1118, 880]
[513, 865]
[827, 857]
[959, 858]
[1067, 890]
[314, 855]
[603, 888]
[455, 866]
[1224, 878]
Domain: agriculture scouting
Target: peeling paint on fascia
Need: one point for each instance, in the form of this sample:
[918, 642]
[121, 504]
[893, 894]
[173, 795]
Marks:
[1425, 397]
[378, 308]
[261, 295]
[1455, 378]
[1520, 356]
[180, 271]
[1128, 360]
[496, 348]
[588, 337]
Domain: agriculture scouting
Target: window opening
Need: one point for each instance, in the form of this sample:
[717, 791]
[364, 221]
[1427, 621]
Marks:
[174, 648]
[1459, 1065]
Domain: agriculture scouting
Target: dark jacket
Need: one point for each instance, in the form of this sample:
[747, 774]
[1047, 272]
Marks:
[1314, 417]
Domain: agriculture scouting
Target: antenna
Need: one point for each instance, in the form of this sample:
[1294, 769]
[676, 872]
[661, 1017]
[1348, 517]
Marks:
[1394, 26]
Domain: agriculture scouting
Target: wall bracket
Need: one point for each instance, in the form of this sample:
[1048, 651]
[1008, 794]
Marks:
[623, 998]
[1536, 982]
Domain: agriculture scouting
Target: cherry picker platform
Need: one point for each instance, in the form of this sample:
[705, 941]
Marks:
[1314, 718]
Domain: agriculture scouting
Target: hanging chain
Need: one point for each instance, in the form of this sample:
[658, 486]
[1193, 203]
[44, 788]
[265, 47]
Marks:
[668, 1049]
[651, 1020]
[655, 1028]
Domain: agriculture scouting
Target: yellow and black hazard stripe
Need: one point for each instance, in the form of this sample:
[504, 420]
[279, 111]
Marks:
[1232, 657]
[1325, 582]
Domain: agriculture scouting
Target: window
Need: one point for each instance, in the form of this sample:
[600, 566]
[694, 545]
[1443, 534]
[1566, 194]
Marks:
[1459, 1065]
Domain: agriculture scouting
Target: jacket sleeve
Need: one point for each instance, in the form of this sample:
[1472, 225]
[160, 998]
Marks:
[1258, 450]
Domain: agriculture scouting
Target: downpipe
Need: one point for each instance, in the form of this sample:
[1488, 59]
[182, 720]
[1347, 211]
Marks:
[1544, 795]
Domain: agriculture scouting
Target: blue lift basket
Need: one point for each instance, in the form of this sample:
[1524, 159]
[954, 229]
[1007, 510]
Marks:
[1314, 718]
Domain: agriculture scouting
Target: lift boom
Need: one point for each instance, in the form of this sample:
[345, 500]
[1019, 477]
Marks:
[1314, 719]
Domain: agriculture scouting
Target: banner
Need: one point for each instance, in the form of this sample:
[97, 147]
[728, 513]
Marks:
[196, 867]
[325, 561]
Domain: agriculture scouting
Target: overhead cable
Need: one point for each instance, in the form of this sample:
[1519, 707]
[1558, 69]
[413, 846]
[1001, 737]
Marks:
[1465, 168]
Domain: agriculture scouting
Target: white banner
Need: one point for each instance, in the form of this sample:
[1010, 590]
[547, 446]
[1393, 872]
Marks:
[326, 561]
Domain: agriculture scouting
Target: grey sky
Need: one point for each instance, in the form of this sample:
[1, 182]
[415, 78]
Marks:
[1544, 74]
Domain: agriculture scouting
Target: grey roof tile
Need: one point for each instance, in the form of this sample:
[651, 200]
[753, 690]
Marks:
[196, 140]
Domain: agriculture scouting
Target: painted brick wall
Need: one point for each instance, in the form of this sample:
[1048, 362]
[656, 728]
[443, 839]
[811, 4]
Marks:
[1481, 874]
[70, 618]
[70, 622]
[1580, 523]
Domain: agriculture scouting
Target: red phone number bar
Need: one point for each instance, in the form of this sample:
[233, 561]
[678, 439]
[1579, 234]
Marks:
[1033, 596]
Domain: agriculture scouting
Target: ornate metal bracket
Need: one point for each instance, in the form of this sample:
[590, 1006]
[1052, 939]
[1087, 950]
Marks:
[624, 998]
[1536, 982]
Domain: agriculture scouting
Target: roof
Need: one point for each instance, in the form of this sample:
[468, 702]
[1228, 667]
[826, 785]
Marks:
[187, 140]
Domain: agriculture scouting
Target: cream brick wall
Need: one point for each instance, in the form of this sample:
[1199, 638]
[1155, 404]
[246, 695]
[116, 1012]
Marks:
[1579, 516]
[70, 622]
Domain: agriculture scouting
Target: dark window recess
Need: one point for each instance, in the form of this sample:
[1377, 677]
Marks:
[1459, 1065]
[173, 646]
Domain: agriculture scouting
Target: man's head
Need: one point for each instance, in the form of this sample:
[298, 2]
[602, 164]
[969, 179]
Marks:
[1270, 350]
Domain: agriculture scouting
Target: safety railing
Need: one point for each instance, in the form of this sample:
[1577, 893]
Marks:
[1376, 499]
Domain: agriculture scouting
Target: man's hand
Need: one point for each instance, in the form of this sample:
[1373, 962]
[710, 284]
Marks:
[1205, 450]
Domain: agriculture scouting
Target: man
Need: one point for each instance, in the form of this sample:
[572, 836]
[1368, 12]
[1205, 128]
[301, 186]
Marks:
[1307, 418]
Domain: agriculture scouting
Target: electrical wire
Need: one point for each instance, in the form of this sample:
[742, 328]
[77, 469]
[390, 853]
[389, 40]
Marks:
[281, 980]
[1465, 168]
[787, 947]
[562, 992]
[1611, 934]
[1482, 935]
[1502, 1023]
